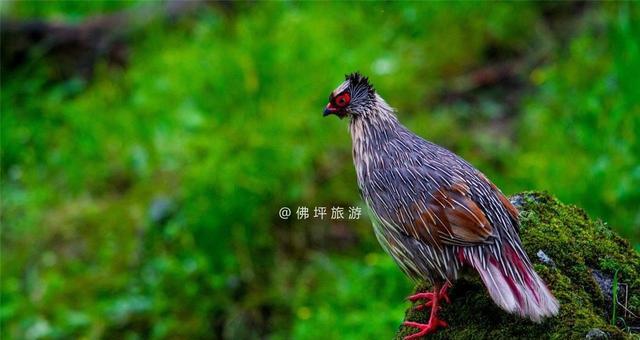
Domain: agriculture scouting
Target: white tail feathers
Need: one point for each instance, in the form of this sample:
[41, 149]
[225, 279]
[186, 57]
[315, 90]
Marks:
[528, 297]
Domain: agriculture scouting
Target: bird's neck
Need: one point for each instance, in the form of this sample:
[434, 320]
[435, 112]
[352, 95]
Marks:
[376, 122]
[371, 134]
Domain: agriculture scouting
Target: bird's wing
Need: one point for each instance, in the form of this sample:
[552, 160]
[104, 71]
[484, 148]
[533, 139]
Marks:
[430, 208]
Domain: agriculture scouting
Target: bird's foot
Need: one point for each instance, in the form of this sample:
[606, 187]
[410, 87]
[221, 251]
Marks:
[429, 296]
[424, 328]
[434, 299]
[422, 296]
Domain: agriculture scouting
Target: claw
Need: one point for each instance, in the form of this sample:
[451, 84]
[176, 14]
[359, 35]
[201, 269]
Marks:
[433, 301]
[424, 329]
[421, 296]
[424, 305]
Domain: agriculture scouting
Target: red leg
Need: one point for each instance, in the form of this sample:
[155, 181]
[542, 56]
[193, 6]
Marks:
[439, 292]
[443, 291]
[422, 296]
[428, 296]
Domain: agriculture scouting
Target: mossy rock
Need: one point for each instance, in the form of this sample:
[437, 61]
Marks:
[582, 256]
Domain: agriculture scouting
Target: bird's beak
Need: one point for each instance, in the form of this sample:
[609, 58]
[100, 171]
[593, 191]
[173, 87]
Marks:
[329, 110]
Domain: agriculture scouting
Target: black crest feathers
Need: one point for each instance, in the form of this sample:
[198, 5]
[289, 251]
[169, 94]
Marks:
[357, 80]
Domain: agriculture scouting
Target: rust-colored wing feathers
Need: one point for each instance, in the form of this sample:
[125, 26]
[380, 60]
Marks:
[450, 217]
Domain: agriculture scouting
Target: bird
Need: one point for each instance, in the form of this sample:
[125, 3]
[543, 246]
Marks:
[435, 213]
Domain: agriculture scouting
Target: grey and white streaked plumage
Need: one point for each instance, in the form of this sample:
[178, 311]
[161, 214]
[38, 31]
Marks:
[432, 211]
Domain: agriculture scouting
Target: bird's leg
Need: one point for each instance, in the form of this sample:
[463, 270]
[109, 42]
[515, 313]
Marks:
[443, 291]
[428, 296]
[439, 292]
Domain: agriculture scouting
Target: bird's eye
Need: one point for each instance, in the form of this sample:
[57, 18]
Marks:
[342, 100]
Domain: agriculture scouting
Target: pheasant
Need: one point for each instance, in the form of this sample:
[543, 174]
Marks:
[434, 213]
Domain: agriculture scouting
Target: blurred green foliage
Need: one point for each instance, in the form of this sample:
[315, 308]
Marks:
[143, 202]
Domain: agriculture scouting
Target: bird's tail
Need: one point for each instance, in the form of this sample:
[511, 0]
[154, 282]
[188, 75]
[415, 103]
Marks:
[512, 283]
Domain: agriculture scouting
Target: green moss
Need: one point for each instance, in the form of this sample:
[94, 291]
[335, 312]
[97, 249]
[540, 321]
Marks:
[578, 246]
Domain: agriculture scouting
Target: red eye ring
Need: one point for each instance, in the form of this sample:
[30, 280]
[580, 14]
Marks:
[343, 99]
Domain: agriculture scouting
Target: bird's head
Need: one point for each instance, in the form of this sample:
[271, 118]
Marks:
[354, 97]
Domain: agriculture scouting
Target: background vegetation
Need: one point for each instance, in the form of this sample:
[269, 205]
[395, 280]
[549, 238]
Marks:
[140, 191]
